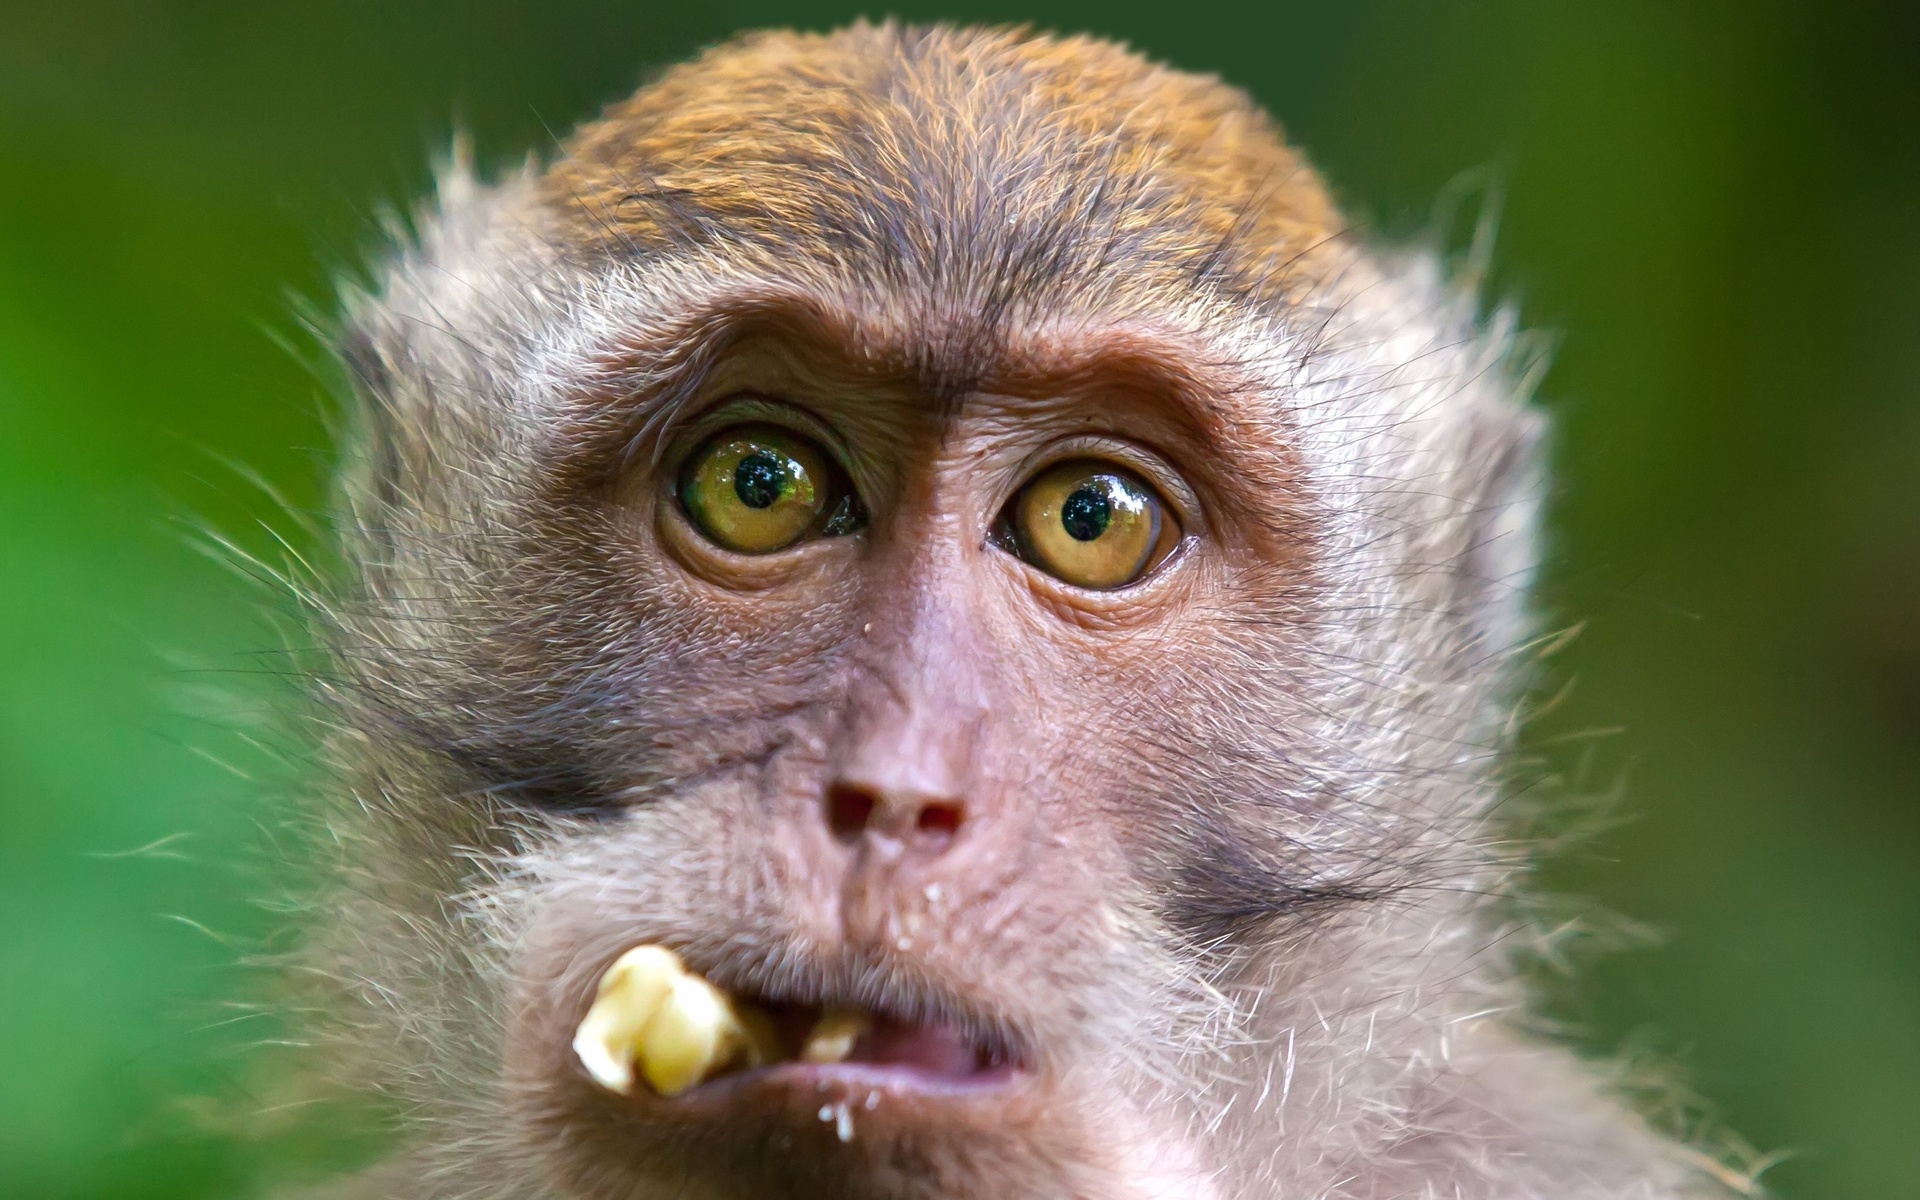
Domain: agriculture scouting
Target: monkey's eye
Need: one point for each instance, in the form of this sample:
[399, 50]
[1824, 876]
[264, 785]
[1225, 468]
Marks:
[1089, 523]
[756, 489]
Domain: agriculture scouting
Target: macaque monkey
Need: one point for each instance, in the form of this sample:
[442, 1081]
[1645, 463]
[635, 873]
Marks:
[922, 622]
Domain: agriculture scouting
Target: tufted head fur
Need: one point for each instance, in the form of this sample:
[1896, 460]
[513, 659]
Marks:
[1220, 885]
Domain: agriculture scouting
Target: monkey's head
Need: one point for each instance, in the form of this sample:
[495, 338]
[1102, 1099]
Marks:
[935, 527]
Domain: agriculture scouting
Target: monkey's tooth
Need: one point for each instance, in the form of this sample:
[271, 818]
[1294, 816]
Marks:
[833, 1036]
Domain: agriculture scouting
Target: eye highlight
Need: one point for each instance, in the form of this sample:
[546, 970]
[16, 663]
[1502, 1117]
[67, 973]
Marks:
[1090, 523]
[757, 489]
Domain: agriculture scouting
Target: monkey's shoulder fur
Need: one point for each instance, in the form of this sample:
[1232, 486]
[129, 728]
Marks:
[1228, 893]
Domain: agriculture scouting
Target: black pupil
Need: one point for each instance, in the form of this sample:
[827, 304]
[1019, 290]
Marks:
[761, 478]
[1087, 512]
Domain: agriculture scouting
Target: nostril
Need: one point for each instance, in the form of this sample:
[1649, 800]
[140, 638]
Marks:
[939, 820]
[852, 810]
[848, 811]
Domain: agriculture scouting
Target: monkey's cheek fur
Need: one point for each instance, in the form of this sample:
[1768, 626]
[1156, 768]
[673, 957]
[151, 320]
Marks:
[654, 1018]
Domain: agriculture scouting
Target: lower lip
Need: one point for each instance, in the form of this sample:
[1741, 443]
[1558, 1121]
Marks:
[862, 1086]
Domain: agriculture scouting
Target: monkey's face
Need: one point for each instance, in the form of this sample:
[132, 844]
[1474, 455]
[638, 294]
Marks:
[909, 706]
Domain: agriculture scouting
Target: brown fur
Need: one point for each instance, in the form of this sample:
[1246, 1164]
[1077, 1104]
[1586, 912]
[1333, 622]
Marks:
[1226, 884]
[812, 141]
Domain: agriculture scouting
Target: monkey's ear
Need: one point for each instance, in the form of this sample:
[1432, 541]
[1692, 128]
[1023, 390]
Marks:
[1506, 450]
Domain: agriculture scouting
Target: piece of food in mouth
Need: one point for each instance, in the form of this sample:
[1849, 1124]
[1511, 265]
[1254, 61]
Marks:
[833, 1036]
[655, 1018]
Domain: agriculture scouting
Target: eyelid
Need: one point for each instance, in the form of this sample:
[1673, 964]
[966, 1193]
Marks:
[751, 408]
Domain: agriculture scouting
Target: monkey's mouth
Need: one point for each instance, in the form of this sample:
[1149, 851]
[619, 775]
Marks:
[656, 1024]
[851, 1043]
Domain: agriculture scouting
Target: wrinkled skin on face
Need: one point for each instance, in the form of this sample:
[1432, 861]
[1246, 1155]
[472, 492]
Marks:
[1170, 887]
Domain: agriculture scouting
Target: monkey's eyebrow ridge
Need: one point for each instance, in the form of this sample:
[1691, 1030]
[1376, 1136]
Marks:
[636, 388]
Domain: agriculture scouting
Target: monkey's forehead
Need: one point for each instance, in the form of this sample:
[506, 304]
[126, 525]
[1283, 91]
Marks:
[988, 160]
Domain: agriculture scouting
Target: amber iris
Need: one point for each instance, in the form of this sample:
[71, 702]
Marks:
[1092, 524]
[755, 489]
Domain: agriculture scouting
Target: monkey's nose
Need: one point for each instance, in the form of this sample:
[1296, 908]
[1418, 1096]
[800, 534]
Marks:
[923, 822]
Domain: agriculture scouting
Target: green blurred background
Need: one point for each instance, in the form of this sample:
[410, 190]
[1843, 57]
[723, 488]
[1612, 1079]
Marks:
[1716, 207]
